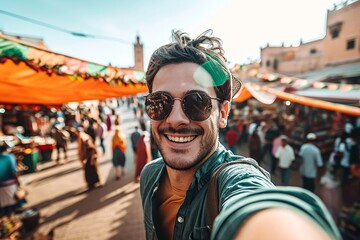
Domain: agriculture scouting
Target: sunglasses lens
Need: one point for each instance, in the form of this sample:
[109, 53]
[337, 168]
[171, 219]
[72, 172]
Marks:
[158, 105]
[197, 106]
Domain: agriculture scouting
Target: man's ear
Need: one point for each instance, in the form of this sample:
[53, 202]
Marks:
[224, 113]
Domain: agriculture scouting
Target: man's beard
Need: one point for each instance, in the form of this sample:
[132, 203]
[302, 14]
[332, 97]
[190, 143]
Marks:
[204, 149]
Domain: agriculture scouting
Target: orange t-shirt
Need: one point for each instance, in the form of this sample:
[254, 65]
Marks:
[169, 200]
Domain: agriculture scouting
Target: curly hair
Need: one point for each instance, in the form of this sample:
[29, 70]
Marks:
[206, 50]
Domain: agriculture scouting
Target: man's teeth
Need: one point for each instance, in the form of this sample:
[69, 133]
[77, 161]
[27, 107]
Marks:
[181, 139]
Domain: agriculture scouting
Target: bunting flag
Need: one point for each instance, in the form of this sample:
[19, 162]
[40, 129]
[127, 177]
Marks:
[37, 76]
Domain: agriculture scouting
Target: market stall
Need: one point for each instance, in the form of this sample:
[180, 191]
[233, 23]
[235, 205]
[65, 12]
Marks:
[36, 82]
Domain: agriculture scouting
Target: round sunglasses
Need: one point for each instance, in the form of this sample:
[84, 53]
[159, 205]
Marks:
[196, 105]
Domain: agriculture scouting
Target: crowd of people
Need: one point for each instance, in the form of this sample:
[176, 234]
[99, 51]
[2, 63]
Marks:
[269, 144]
[88, 129]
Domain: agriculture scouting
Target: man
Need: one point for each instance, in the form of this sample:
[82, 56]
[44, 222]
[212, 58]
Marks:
[190, 92]
[285, 154]
[311, 160]
[101, 133]
[134, 138]
[61, 137]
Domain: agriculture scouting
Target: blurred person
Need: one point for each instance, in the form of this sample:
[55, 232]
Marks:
[254, 145]
[119, 148]
[117, 120]
[91, 129]
[232, 138]
[134, 137]
[8, 181]
[143, 153]
[61, 137]
[190, 92]
[310, 160]
[101, 132]
[88, 158]
[329, 190]
[275, 145]
[285, 154]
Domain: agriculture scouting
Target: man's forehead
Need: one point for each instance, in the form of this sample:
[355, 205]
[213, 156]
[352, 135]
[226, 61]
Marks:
[183, 74]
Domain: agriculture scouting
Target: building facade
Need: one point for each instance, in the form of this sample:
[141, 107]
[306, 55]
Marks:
[341, 44]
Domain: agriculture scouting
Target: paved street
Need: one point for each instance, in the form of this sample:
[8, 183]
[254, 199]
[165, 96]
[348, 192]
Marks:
[113, 211]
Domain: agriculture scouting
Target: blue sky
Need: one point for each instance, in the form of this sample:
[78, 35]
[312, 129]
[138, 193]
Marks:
[244, 26]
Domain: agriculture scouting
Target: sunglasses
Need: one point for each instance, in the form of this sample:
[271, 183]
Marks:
[196, 105]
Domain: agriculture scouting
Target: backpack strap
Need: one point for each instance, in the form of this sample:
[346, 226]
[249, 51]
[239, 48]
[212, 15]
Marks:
[213, 192]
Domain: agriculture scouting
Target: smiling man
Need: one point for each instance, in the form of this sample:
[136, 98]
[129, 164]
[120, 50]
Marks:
[190, 93]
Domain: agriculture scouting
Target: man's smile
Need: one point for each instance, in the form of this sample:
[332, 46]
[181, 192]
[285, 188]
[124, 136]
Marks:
[180, 139]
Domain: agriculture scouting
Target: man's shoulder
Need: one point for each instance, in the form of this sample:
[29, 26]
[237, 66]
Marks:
[153, 166]
[240, 166]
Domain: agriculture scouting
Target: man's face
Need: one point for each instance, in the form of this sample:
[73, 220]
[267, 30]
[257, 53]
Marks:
[185, 143]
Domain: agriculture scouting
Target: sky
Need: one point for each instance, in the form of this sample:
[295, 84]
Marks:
[243, 26]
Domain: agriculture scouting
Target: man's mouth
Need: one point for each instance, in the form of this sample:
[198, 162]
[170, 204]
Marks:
[180, 139]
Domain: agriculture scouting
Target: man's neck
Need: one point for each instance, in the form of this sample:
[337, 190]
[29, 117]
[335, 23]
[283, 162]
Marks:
[180, 179]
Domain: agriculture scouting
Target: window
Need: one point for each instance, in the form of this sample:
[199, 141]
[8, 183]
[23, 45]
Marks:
[276, 63]
[335, 33]
[268, 63]
[350, 44]
[335, 30]
[313, 51]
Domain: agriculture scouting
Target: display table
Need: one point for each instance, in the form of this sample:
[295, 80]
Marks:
[45, 145]
[45, 151]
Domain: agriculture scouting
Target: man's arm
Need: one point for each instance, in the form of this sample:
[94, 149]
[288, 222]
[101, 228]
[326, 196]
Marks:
[280, 224]
[282, 213]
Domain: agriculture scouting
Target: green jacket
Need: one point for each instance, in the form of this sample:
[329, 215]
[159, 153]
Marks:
[235, 184]
[191, 219]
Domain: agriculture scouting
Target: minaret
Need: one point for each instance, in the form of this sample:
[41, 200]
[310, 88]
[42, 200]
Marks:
[139, 55]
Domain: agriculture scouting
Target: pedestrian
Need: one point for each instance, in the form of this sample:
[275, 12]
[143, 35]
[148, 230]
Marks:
[254, 145]
[276, 144]
[9, 181]
[88, 158]
[190, 92]
[310, 160]
[90, 129]
[329, 190]
[117, 120]
[232, 138]
[118, 148]
[134, 137]
[101, 133]
[285, 154]
[61, 137]
[143, 152]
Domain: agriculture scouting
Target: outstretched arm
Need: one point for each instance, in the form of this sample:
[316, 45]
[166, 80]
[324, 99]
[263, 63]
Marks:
[280, 224]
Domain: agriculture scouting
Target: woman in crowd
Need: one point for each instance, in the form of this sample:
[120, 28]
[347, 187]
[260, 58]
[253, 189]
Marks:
[118, 147]
[143, 152]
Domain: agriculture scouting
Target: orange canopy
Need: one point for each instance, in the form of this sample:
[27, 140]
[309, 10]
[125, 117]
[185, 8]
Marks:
[254, 89]
[36, 76]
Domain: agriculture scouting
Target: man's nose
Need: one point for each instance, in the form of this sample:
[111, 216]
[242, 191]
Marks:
[177, 115]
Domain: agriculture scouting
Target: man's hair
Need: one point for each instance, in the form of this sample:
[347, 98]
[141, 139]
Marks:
[206, 50]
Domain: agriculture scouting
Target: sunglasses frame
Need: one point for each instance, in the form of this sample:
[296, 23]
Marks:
[184, 109]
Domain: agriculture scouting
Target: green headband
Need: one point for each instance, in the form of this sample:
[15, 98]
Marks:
[219, 73]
